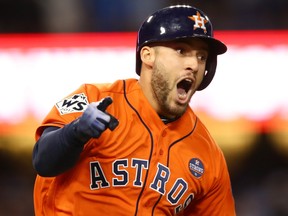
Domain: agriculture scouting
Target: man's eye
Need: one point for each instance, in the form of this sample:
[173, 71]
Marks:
[202, 57]
[180, 51]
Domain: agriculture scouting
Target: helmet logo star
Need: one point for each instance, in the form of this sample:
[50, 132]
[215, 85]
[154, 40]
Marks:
[199, 21]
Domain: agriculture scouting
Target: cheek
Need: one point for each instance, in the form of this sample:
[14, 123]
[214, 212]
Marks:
[200, 75]
[171, 60]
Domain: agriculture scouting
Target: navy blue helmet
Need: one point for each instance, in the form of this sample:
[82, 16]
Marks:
[178, 22]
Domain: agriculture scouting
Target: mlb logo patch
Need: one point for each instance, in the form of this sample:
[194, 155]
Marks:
[72, 104]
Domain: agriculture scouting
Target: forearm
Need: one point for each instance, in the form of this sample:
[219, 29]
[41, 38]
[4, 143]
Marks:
[57, 150]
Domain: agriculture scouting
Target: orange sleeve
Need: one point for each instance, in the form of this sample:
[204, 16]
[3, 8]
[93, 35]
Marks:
[219, 199]
[69, 108]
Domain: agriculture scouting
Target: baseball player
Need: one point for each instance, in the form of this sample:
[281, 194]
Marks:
[135, 147]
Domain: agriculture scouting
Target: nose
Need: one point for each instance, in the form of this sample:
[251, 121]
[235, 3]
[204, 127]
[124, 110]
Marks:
[192, 64]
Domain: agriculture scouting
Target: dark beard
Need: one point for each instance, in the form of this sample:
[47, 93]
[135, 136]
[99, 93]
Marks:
[161, 90]
[160, 87]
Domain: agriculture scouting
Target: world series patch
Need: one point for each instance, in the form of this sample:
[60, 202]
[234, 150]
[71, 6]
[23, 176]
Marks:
[72, 104]
[196, 167]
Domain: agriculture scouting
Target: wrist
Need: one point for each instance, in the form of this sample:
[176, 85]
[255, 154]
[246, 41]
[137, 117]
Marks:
[73, 132]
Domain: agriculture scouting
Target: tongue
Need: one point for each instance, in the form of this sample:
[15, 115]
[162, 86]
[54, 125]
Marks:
[181, 93]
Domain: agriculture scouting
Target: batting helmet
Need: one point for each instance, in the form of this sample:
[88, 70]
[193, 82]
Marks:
[180, 21]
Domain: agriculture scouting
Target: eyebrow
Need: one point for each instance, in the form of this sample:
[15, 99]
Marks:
[203, 45]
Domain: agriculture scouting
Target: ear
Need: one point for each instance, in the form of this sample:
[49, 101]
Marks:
[147, 55]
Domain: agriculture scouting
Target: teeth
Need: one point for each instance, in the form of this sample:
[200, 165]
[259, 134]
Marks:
[182, 95]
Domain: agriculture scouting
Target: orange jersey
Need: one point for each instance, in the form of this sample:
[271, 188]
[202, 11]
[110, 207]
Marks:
[144, 167]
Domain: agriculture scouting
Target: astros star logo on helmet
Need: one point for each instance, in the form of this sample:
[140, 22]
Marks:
[199, 21]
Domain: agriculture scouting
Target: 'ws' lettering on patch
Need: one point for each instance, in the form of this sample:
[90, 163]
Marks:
[72, 104]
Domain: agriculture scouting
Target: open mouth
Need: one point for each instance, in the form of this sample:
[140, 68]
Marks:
[183, 88]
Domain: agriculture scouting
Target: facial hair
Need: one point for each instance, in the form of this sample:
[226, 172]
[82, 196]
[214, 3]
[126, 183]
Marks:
[161, 91]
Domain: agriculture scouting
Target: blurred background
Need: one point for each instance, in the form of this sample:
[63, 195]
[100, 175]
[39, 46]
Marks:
[245, 107]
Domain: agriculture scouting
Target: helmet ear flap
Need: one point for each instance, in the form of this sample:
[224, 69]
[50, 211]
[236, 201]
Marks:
[210, 72]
